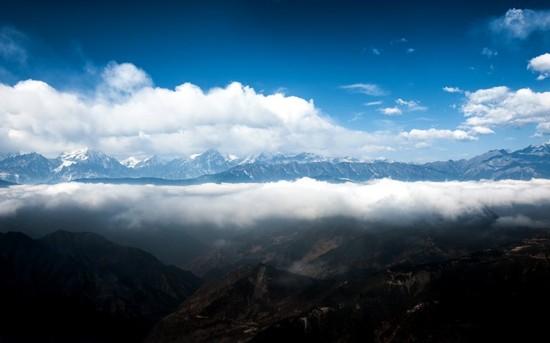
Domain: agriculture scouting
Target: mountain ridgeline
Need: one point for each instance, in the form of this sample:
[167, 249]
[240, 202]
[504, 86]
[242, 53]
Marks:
[211, 166]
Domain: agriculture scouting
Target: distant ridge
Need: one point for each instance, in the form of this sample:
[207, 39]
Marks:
[96, 167]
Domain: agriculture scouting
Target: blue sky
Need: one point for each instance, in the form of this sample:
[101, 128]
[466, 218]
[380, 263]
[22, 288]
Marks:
[308, 49]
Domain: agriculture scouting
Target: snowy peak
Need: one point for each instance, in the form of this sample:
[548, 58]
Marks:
[87, 163]
[133, 162]
[209, 155]
[536, 150]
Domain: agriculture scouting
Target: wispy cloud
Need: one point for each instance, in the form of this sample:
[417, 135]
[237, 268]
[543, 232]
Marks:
[365, 88]
[373, 103]
[11, 45]
[489, 53]
[401, 40]
[402, 105]
[410, 105]
[521, 23]
[450, 89]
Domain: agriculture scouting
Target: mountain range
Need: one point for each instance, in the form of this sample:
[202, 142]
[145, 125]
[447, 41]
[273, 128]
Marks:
[211, 166]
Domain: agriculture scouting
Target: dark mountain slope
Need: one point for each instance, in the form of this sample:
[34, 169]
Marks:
[81, 287]
[492, 295]
[236, 307]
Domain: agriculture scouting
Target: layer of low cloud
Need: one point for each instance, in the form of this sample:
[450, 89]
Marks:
[521, 23]
[244, 205]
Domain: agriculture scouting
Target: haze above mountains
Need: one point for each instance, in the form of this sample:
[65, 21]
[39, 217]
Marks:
[211, 166]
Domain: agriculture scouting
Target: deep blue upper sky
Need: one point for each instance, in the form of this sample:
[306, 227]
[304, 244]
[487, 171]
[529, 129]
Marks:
[307, 48]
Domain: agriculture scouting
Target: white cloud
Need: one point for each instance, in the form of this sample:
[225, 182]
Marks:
[11, 45]
[520, 23]
[365, 88]
[128, 116]
[391, 111]
[410, 50]
[248, 204]
[541, 65]
[431, 134]
[376, 51]
[489, 52]
[543, 128]
[373, 103]
[501, 106]
[146, 120]
[450, 89]
[401, 106]
[481, 130]
[124, 78]
[410, 105]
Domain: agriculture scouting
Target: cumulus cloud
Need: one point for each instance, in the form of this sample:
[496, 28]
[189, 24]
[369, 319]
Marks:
[501, 106]
[124, 78]
[521, 23]
[129, 116]
[365, 88]
[248, 204]
[540, 65]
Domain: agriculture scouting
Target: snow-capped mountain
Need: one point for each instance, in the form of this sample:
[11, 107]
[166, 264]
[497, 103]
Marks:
[208, 162]
[131, 162]
[87, 163]
[527, 163]
[304, 157]
[26, 168]
[211, 166]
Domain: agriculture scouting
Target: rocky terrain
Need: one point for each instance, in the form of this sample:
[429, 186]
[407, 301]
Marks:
[491, 295]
